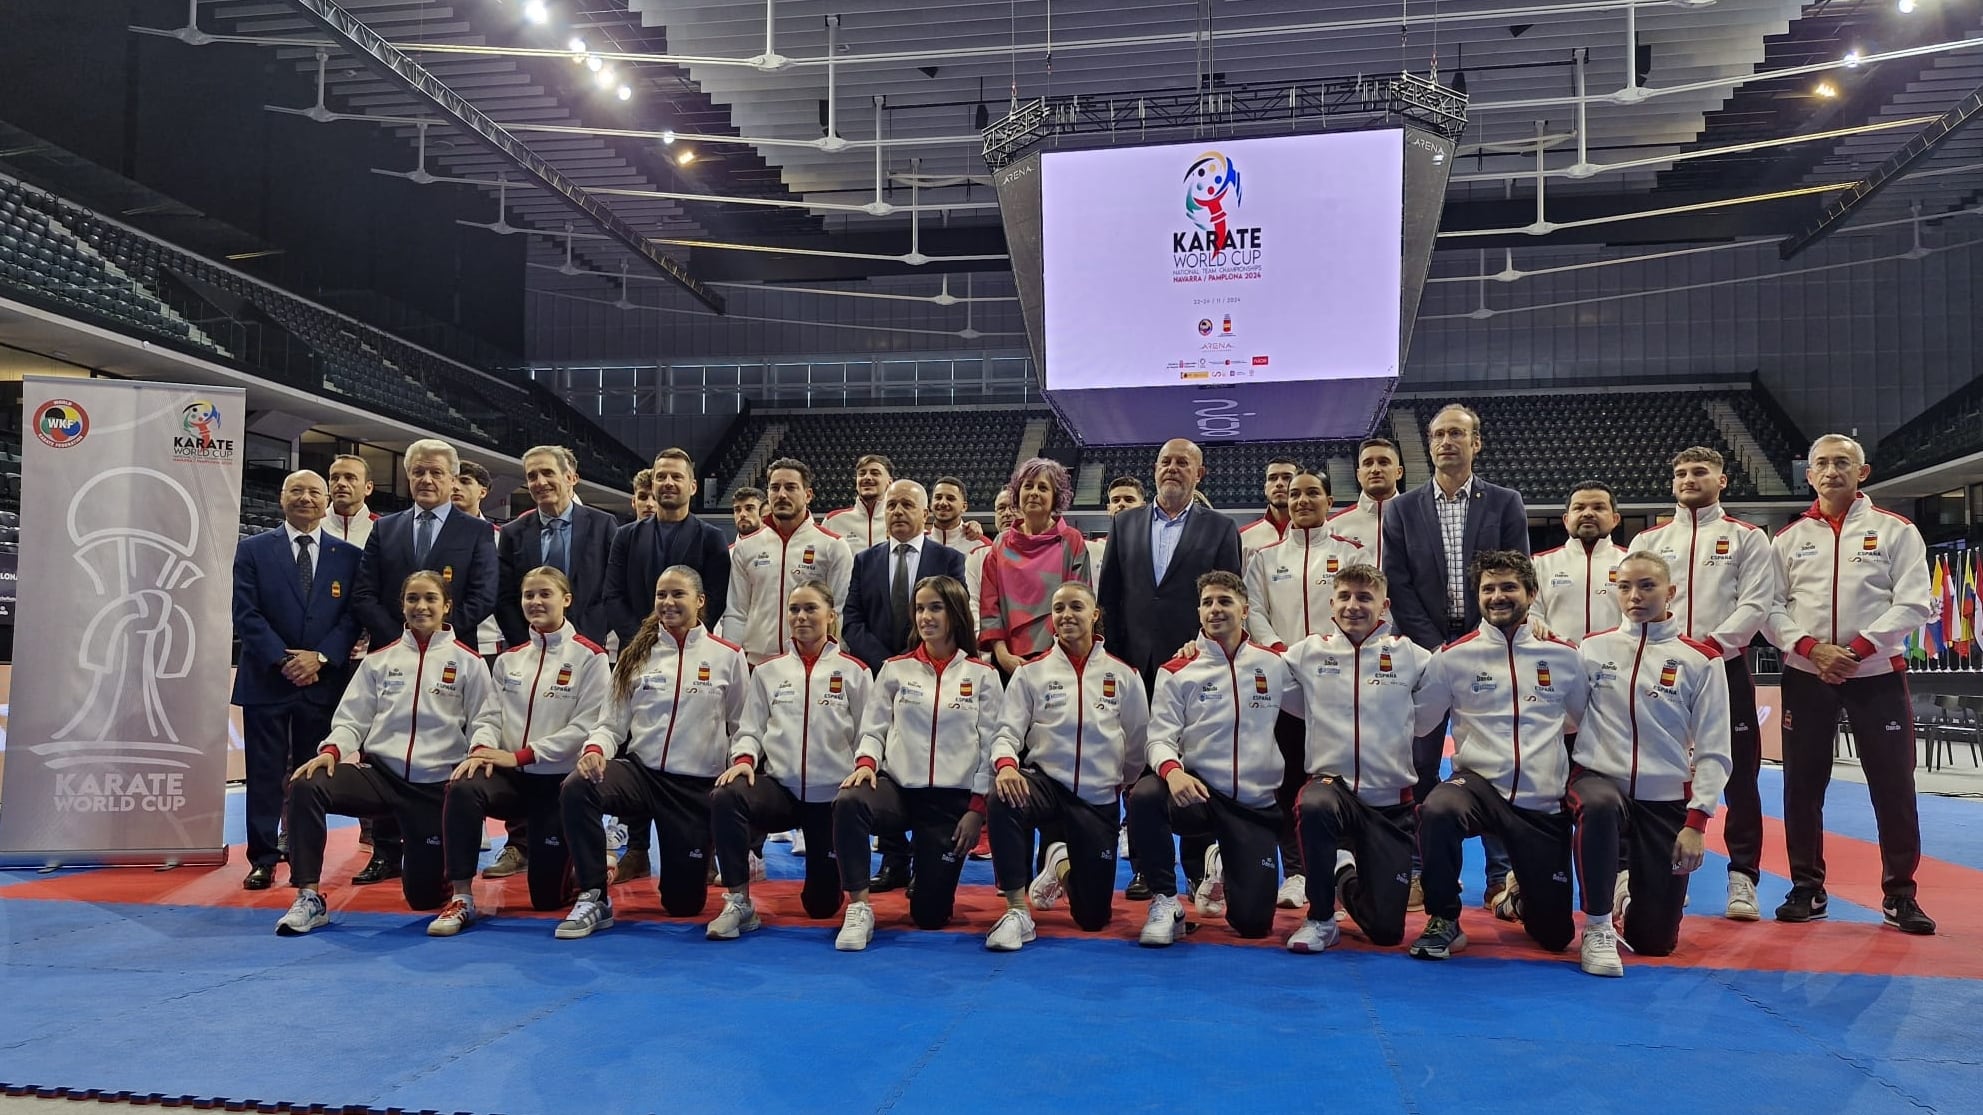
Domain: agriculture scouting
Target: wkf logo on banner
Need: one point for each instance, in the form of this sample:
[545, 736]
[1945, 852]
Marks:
[60, 423]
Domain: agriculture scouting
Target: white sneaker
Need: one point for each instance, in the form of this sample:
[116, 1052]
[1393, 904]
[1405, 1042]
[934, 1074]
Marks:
[1600, 951]
[799, 843]
[1742, 899]
[1210, 897]
[782, 837]
[1621, 900]
[757, 868]
[857, 929]
[1046, 888]
[1013, 929]
[1314, 936]
[590, 913]
[454, 917]
[306, 913]
[1166, 920]
[737, 918]
[1293, 894]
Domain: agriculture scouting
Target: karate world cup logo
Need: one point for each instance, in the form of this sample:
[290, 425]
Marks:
[1211, 193]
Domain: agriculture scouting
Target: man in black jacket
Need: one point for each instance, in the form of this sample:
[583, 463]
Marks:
[561, 532]
[642, 550]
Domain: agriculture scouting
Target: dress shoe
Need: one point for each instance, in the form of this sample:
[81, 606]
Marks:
[260, 877]
[1138, 889]
[378, 871]
[892, 876]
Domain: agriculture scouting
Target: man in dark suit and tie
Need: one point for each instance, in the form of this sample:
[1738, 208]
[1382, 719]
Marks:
[642, 550]
[293, 588]
[1149, 586]
[879, 617]
[1431, 534]
[880, 612]
[1155, 554]
[431, 534]
[561, 532]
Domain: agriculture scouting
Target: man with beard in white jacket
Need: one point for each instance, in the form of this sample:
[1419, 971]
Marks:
[1725, 582]
[1575, 596]
[1650, 760]
[1513, 697]
[789, 550]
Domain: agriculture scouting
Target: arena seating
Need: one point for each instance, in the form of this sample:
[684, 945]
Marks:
[1951, 428]
[97, 269]
[1541, 443]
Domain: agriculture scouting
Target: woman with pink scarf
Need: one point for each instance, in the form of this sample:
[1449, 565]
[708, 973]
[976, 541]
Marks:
[1027, 563]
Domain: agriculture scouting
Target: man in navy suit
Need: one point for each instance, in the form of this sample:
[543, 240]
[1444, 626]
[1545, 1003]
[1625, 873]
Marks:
[431, 534]
[880, 613]
[1431, 535]
[293, 589]
[1148, 587]
[641, 550]
[561, 532]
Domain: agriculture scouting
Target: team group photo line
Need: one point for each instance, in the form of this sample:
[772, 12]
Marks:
[1266, 709]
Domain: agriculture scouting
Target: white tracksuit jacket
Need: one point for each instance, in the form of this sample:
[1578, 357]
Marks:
[929, 725]
[860, 526]
[1513, 698]
[1578, 589]
[1363, 524]
[546, 696]
[1214, 715]
[974, 557]
[1359, 701]
[1863, 586]
[1289, 583]
[1657, 723]
[1085, 723]
[800, 720]
[684, 707]
[408, 707]
[1724, 570]
[1258, 535]
[763, 569]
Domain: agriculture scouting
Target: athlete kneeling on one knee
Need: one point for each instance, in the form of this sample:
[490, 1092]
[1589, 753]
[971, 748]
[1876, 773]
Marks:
[1650, 761]
[1216, 769]
[793, 748]
[547, 695]
[677, 694]
[922, 763]
[403, 724]
[1071, 738]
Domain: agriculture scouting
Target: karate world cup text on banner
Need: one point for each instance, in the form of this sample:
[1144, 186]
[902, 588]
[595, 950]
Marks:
[117, 738]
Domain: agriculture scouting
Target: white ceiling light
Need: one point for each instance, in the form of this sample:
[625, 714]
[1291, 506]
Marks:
[535, 11]
[1851, 59]
[625, 93]
[1906, 7]
[593, 62]
[577, 47]
[604, 77]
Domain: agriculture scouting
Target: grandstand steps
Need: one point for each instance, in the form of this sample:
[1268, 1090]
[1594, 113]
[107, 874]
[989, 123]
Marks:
[1088, 484]
[1032, 441]
[1755, 460]
[1342, 479]
[760, 455]
[1411, 445]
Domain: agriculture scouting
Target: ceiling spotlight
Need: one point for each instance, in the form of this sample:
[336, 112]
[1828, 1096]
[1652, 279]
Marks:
[668, 137]
[577, 47]
[1906, 7]
[625, 93]
[1826, 89]
[1851, 59]
[594, 63]
[685, 158]
[605, 78]
[535, 11]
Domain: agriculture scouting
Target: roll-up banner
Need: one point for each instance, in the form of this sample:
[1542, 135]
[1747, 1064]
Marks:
[117, 735]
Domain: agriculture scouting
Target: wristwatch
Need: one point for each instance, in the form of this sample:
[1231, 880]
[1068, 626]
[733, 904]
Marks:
[322, 659]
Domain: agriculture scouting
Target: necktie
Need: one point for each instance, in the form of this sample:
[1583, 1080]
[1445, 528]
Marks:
[559, 552]
[305, 575]
[903, 577]
[423, 537]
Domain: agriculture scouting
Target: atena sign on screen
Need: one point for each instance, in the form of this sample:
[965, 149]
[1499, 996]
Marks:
[1229, 262]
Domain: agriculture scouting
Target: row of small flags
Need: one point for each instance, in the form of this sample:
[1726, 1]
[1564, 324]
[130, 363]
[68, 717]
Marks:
[1952, 589]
